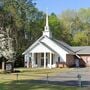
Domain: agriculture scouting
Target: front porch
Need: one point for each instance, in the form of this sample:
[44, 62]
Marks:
[45, 60]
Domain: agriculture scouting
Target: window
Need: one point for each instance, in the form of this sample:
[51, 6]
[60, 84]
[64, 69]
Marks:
[42, 54]
[36, 58]
[58, 59]
[30, 59]
[46, 54]
[52, 58]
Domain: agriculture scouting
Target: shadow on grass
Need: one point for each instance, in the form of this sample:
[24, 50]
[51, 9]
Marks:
[41, 85]
[62, 83]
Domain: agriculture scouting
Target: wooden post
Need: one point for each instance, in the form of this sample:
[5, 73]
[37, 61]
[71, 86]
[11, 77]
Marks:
[79, 80]
[17, 76]
[47, 78]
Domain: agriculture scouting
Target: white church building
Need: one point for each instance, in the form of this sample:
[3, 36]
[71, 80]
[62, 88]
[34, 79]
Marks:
[48, 52]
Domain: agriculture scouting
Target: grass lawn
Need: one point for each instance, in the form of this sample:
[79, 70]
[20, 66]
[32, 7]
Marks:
[30, 73]
[43, 71]
[29, 85]
[27, 77]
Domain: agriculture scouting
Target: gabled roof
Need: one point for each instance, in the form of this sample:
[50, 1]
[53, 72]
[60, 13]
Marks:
[27, 50]
[41, 47]
[63, 45]
[48, 46]
[81, 49]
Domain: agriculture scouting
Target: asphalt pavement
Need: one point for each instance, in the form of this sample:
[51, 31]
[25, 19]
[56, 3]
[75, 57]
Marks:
[73, 77]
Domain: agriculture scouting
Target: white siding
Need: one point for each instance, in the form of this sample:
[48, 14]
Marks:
[55, 47]
[40, 48]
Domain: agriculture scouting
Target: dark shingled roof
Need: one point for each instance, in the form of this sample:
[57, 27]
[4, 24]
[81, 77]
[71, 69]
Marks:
[63, 45]
[81, 49]
[71, 49]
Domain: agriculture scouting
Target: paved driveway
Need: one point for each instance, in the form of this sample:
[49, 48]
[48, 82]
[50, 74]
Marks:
[71, 77]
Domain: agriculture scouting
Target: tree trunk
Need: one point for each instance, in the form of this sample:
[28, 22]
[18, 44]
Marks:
[3, 66]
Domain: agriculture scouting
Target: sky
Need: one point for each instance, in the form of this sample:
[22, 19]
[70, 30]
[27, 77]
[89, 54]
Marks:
[58, 6]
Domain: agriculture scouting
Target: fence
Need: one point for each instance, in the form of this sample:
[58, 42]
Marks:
[73, 77]
[44, 78]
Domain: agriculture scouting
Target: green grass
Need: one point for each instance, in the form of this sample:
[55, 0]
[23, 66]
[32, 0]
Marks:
[30, 73]
[40, 72]
[43, 71]
[29, 85]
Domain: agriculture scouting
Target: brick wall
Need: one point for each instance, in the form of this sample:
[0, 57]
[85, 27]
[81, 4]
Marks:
[70, 60]
[86, 59]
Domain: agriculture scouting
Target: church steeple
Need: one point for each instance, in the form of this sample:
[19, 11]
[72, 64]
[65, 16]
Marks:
[47, 25]
[46, 31]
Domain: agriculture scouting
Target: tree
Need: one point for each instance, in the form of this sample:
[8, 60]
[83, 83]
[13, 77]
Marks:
[23, 21]
[79, 39]
[75, 22]
[55, 26]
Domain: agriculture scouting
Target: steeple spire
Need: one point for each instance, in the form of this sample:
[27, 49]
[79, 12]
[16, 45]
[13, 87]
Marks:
[47, 25]
[46, 31]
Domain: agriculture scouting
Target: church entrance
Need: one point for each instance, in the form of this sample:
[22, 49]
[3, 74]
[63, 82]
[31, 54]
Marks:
[42, 59]
[42, 62]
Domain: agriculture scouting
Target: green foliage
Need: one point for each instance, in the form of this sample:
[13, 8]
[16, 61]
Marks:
[24, 21]
[75, 23]
[55, 26]
[79, 39]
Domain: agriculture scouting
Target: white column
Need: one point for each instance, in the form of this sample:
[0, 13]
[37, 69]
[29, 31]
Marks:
[44, 60]
[26, 62]
[50, 60]
[33, 60]
[39, 60]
